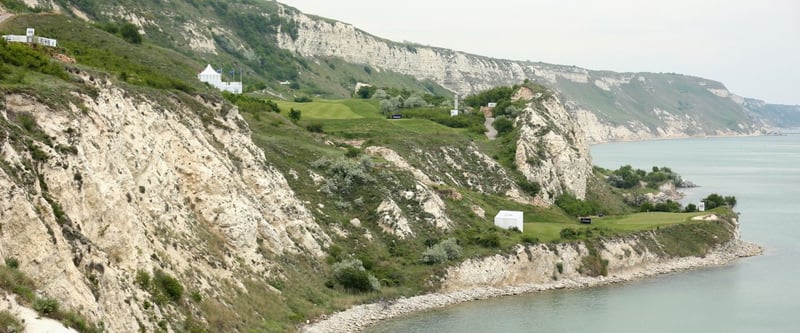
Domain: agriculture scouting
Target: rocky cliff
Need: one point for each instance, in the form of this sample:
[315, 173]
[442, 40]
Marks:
[610, 106]
[107, 185]
[623, 257]
[542, 267]
[551, 149]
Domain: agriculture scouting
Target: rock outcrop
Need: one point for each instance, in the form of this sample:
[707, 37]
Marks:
[123, 182]
[551, 149]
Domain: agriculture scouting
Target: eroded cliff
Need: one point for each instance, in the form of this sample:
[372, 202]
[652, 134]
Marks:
[104, 186]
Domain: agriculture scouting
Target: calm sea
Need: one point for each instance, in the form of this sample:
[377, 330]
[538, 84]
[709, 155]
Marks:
[760, 294]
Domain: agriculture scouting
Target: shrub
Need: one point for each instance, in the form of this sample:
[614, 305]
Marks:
[503, 125]
[130, 33]
[576, 207]
[560, 267]
[22, 55]
[142, 279]
[529, 187]
[9, 323]
[12, 262]
[45, 306]
[168, 285]
[351, 275]
[352, 152]
[294, 114]
[490, 240]
[315, 128]
[447, 249]
[528, 239]
[568, 233]
[434, 255]
[303, 99]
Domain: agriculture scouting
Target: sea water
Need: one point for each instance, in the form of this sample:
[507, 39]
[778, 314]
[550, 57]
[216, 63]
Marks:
[759, 294]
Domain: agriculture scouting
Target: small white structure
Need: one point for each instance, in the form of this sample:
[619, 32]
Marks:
[454, 111]
[491, 105]
[508, 219]
[701, 207]
[214, 78]
[31, 38]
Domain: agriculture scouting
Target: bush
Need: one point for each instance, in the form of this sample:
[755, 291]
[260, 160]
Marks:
[528, 239]
[529, 187]
[142, 279]
[576, 207]
[315, 128]
[303, 99]
[447, 249]
[503, 125]
[12, 262]
[352, 152]
[568, 233]
[45, 306]
[434, 255]
[130, 33]
[9, 323]
[490, 240]
[295, 115]
[168, 285]
[351, 275]
[22, 55]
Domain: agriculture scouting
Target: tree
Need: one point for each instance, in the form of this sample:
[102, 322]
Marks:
[714, 200]
[414, 101]
[294, 114]
[388, 105]
[380, 94]
[730, 201]
[365, 92]
[130, 33]
[503, 125]
[352, 275]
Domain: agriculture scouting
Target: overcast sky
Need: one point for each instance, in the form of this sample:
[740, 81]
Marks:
[752, 46]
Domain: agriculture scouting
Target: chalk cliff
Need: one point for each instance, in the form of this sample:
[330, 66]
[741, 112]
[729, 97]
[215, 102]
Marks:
[609, 105]
[133, 182]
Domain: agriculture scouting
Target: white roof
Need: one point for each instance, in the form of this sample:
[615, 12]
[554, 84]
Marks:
[509, 214]
[209, 70]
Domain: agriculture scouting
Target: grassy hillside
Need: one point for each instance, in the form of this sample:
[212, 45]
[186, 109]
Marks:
[237, 37]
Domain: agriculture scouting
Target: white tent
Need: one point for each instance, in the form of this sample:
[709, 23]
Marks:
[509, 219]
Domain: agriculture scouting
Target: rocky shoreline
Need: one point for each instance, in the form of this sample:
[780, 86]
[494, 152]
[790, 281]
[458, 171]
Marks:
[360, 317]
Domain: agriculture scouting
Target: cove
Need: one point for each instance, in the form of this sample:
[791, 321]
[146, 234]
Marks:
[750, 295]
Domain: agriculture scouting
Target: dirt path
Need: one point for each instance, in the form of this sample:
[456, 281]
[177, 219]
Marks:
[5, 16]
[491, 133]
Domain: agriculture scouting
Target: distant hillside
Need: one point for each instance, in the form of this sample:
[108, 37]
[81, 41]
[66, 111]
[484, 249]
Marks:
[611, 106]
[781, 116]
[280, 51]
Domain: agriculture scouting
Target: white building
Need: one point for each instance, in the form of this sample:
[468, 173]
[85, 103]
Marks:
[508, 219]
[31, 38]
[214, 78]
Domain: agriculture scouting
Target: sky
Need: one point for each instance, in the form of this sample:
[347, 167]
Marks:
[752, 46]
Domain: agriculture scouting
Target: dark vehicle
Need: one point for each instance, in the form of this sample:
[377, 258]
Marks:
[586, 220]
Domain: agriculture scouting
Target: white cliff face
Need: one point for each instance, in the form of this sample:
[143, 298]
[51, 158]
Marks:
[148, 185]
[466, 74]
[551, 149]
[625, 258]
[392, 219]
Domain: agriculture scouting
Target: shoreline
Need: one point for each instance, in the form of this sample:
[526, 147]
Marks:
[360, 317]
